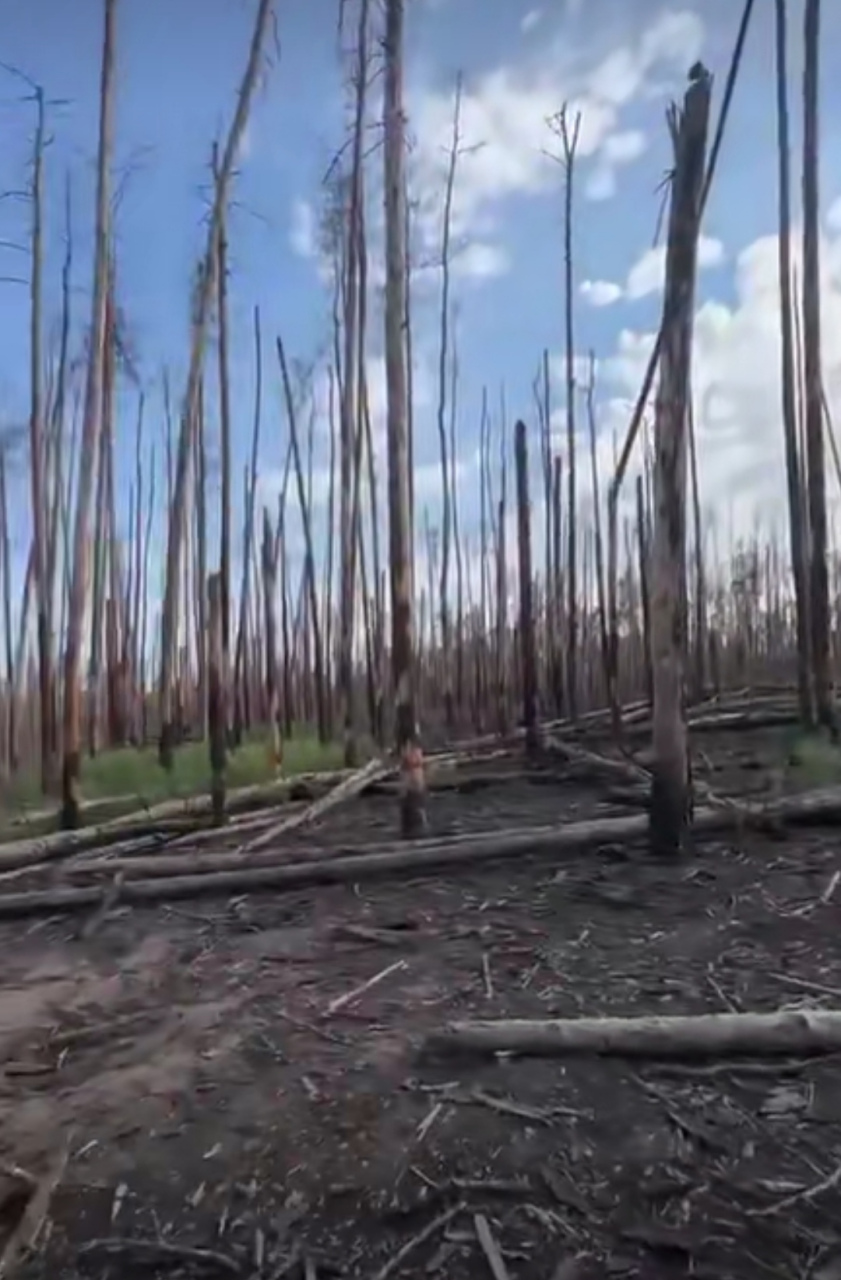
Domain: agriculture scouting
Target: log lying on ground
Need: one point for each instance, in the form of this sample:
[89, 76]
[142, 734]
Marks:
[706, 1035]
[168, 815]
[428, 856]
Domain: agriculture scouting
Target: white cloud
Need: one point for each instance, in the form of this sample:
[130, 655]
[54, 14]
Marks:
[530, 20]
[736, 385]
[600, 293]
[504, 116]
[479, 261]
[302, 229]
[647, 274]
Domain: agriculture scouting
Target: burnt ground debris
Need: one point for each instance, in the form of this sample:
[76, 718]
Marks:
[226, 1109]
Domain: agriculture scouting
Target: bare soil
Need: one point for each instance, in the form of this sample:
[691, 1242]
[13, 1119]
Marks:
[220, 1119]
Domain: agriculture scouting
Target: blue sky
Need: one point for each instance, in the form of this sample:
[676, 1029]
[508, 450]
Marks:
[619, 60]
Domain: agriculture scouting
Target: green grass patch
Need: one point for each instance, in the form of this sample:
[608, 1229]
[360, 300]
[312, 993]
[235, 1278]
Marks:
[813, 761]
[117, 782]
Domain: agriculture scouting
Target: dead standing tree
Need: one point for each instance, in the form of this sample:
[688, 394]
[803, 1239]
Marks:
[814, 423]
[412, 806]
[204, 294]
[91, 428]
[798, 535]
[569, 144]
[671, 782]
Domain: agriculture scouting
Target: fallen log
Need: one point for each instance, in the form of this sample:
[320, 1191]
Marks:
[346, 789]
[706, 1035]
[170, 814]
[428, 855]
[160, 866]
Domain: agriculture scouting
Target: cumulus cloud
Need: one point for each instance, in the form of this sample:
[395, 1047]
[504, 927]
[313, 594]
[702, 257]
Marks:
[600, 293]
[647, 274]
[302, 229]
[736, 386]
[504, 115]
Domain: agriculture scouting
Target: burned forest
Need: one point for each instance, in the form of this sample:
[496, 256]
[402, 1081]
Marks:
[396, 885]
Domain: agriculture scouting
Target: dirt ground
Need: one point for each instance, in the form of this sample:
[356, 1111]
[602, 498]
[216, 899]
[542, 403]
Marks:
[228, 1106]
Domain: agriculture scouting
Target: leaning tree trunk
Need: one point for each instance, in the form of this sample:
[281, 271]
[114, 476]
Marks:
[91, 427]
[207, 276]
[671, 795]
[412, 798]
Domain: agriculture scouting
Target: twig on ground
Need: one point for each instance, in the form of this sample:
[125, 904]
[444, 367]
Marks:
[26, 1233]
[490, 1248]
[118, 1246]
[301, 1024]
[395, 1262]
[819, 988]
[429, 1120]
[342, 1001]
[799, 1197]
[486, 973]
[830, 888]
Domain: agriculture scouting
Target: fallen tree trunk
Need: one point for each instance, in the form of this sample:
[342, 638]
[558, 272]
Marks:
[346, 789]
[428, 855]
[703, 1036]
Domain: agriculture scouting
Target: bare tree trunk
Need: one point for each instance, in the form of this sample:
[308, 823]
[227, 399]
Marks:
[204, 293]
[269, 564]
[443, 353]
[412, 800]
[819, 593]
[671, 784]
[797, 532]
[91, 427]
[569, 141]
[528, 647]
[240, 673]
[310, 583]
[216, 718]
[225, 461]
[36, 445]
[12, 718]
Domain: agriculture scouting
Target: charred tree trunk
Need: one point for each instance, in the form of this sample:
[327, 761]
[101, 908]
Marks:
[412, 800]
[798, 537]
[671, 783]
[91, 427]
[528, 646]
[816, 476]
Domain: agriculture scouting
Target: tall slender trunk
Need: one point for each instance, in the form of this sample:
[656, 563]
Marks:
[91, 427]
[412, 800]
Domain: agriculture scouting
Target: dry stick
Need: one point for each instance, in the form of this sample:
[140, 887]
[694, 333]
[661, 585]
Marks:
[346, 789]
[490, 1248]
[484, 847]
[27, 1231]
[116, 1247]
[341, 1001]
[782, 1206]
[396, 1261]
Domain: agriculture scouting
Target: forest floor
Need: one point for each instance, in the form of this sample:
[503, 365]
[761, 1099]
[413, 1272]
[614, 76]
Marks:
[199, 1093]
